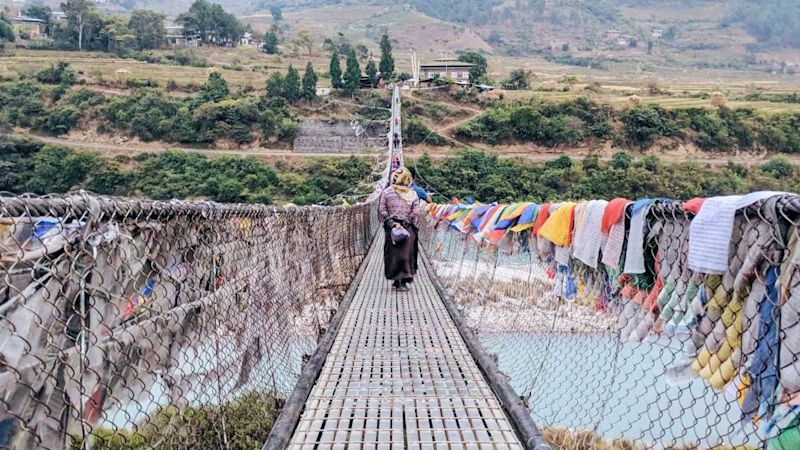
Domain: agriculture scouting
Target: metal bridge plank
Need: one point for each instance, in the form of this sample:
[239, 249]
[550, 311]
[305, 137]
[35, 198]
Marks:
[400, 376]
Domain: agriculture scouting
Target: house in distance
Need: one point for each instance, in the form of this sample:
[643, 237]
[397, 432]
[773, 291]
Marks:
[445, 68]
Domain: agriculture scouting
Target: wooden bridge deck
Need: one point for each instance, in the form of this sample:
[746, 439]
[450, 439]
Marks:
[399, 376]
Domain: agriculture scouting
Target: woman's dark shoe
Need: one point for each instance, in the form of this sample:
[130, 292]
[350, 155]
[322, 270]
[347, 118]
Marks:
[395, 284]
[404, 288]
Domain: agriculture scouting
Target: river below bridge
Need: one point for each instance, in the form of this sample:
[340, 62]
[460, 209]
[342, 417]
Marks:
[576, 381]
[586, 381]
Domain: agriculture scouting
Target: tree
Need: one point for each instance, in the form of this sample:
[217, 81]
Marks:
[352, 74]
[387, 60]
[335, 71]
[621, 160]
[479, 65]
[198, 20]
[148, 27]
[517, 79]
[650, 47]
[275, 85]
[291, 85]
[276, 12]
[40, 12]
[310, 83]
[6, 32]
[372, 73]
[304, 40]
[113, 33]
[214, 89]
[270, 45]
[78, 12]
[211, 22]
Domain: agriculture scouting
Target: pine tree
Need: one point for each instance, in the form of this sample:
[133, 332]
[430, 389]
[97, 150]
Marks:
[270, 45]
[215, 89]
[310, 83]
[291, 85]
[275, 85]
[372, 73]
[335, 71]
[387, 61]
[352, 74]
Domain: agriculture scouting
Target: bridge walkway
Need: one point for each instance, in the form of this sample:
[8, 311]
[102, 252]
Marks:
[400, 376]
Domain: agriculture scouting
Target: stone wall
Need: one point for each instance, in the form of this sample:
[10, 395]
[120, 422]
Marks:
[319, 136]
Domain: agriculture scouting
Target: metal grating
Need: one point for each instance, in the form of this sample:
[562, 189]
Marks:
[400, 376]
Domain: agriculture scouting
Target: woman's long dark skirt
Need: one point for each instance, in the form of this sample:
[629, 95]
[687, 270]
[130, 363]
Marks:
[400, 261]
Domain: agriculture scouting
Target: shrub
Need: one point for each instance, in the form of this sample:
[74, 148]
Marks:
[227, 119]
[60, 120]
[781, 133]
[643, 124]
[779, 167]
[248, 420]
[59, 169]
[60, 73]
[416, 132]
[22, 103]
[147, 114]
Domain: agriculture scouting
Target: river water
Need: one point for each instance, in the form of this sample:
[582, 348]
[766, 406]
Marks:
[587, 381]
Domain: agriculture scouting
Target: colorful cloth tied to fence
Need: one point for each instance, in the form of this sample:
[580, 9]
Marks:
[724, 272]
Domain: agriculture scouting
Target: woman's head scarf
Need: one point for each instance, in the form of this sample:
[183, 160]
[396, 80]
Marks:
[401, 180]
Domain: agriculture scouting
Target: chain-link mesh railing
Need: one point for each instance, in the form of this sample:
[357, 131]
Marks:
[138, 324]
[668, 358]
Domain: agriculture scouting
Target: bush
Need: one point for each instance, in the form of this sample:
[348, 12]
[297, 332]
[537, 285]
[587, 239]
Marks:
[712, 131]
[60, 120]
[779, 167]
[227, 119]
[416, 132]
[186, 58]
[248, 420]
[135, 83]
[22, 103]
[643, 124]
[781, 133]
[59, 169]
[147, 114]
[60, 73]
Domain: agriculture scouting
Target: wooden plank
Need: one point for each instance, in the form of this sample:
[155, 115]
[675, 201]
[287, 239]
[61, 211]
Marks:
[399, 375]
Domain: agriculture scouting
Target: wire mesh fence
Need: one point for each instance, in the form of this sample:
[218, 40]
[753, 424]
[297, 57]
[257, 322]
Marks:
[665, 357]
[140, 324]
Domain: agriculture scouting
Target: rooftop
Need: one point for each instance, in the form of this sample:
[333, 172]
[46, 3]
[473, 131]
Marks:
[27, 19]
[447, 63]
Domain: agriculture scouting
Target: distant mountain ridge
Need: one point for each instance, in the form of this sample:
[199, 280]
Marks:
[699, 31]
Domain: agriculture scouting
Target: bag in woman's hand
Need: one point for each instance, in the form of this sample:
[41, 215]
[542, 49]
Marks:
[399, 235]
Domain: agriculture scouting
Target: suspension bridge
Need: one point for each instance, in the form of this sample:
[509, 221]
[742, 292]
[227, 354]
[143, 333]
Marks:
[133, 324]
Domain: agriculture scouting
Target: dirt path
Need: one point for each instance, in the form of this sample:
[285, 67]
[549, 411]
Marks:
[134, 149]
[414, 151]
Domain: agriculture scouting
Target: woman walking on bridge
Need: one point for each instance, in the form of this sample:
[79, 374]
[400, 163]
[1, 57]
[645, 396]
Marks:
[399, 209]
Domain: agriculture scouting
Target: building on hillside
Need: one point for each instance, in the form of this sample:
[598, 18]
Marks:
[323, 91]
[657, 33]
[445, 68]
[58, 15]
[177, 39]
[28, 27]
[247, 39]
[613, 35]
